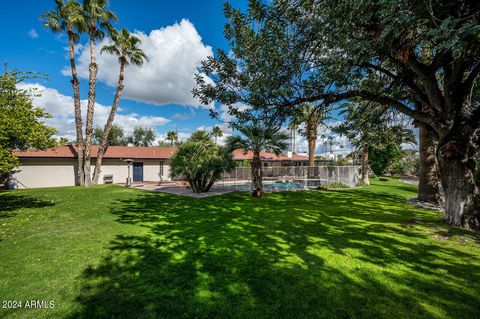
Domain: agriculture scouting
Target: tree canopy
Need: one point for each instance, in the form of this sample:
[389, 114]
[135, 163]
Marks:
[21, 123]
[142, 136]
[420, 58]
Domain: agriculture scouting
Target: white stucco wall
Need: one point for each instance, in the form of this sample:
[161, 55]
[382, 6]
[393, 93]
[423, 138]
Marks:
[46, 172]
[57, 172]
[151, 170]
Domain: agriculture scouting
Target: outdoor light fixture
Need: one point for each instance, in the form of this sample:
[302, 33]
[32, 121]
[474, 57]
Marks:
[129, 179]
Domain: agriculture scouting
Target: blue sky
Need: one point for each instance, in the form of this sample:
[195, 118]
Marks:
[29, 46]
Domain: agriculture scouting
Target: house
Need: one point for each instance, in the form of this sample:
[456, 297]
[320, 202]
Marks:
[270, 159]
[59, 166]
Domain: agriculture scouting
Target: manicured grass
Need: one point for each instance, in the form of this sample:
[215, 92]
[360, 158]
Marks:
[124, 253]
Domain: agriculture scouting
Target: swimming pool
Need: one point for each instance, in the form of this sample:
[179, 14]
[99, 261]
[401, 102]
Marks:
[277, 186]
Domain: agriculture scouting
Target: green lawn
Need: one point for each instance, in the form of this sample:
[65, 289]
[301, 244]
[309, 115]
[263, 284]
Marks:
[113, 252]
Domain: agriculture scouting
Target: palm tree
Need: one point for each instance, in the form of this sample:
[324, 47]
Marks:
[217, 132]
[68, 17]
[292, 126]
[172, 136]
[201, 161]
[125, 46]
[258, 138]
[97, 17]
[312, 117]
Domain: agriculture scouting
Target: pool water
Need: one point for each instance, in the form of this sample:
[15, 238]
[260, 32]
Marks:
[277, 186]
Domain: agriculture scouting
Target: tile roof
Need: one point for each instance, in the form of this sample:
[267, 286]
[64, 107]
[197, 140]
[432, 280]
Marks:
[240, 155]
[137, 152]
[70, 151]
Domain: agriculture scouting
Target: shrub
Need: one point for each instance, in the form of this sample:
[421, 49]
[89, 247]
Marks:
[200, 162]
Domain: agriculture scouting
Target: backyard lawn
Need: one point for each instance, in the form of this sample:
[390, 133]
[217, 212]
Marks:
[112, 252]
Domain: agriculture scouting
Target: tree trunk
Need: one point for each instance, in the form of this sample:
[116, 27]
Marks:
[312, 140]
[428, 190]
[93, 68]
[462, 196]
[209, 186]
[103, 142]
[365, 167]
[77, 107]
[257, 176]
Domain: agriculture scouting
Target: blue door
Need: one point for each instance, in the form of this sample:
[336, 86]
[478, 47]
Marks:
[138, 172]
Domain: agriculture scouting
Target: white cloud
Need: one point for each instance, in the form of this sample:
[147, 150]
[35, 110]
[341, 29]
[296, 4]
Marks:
[61, 108]
[33, 34]
[174, 54]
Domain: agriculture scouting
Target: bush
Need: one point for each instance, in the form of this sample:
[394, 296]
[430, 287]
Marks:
[200, 162]
[407, 165]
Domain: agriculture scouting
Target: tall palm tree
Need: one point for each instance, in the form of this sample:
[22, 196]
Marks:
[98, 18]
[68, 17]
[311, 116]
[125, 46]
[217, 132]
[172, 136]
[258, 138]
[292, 126]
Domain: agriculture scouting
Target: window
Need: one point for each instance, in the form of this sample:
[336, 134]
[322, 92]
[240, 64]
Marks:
[161, 168]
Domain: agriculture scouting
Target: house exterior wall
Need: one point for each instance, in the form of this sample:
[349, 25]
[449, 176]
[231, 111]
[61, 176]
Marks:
[151, 170]
[58, 172]
[46, 172]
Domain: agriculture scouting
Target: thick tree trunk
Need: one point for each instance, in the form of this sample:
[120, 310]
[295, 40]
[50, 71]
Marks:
[257, 176]
[462, 196]
[77, 107]
[365, 167]
[93, 68]
[428, 190]
[111, 117]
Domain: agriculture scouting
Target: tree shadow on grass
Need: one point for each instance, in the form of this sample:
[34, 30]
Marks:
[11, 201]
[289, 255]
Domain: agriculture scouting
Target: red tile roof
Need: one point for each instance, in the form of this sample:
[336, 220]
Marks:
[164, 152]
[240, 155]
[70, 151]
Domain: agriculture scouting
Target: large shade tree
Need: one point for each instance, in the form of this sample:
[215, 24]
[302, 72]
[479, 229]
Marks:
[125, 46]
[256, 137]
[68, 17]
[21, 123]
[400, 54]
[141, 136]
[116, 136]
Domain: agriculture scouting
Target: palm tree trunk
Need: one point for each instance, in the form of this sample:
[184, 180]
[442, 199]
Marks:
[93, 68]
[427, 174]
[312, 140]
[109, 124]
[77, 107]
[257, 176]
[365, 167]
